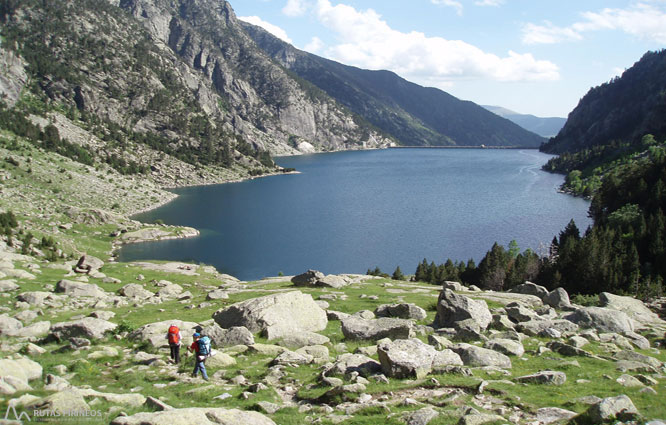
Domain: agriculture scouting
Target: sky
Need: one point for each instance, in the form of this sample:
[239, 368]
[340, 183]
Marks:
[531, 56]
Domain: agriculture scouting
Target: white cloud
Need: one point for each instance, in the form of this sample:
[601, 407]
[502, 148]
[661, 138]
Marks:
[450, 3]
[489, 2]
[643, 20]
[367, 41]
[314, 46]
[273, 29]
[295, 8]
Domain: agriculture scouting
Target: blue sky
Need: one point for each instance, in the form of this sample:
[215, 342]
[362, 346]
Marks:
[531, 56]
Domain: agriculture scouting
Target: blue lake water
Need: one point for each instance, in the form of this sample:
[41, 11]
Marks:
[350, 211]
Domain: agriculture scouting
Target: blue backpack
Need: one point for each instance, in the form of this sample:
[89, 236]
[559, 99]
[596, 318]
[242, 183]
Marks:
[204, 346]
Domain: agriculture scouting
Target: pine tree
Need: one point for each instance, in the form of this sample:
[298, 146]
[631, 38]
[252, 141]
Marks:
[397, 274]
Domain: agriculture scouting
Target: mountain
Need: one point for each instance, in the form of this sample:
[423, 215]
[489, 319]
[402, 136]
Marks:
[546, 127]
[414, 115]
[622, 110]
[154, 79]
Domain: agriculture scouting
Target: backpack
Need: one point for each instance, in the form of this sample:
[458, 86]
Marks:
[173, 335]
[204, 346]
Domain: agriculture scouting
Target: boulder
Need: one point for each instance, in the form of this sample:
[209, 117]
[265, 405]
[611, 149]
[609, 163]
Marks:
[63, 401]
[220, 337]
[411, 358]
[333, 281]
[275, 315]
[22, 370]
[218, 294]
[520, 313]
[355, 328]
[131, 400]
[557, 298]
[319, 353]
[632, 307]
[303, 339]
[549, 415]
[37, 329]
[88, 327]
[545, 377]
[170, 290]
[309, 278]
[637, 357]
[88, 264]
[612, 408]
[220, 360]
[195, 415]
[156, 333]
[291, 358]
[402, 311]
[506, 346]
[135, 291]
[79, 289]
[472, 355]
[454, 286]
[529, 288]
[9, 325]
[38, 298]
[452, 308]
[567, 350]
[602, 319]
[536, 327]
[348, 363]
[8, 285]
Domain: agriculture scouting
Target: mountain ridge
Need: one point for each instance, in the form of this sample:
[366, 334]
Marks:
[415, 115]
[543, 126]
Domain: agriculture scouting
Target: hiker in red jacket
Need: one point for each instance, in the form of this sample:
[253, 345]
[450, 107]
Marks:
[173, 336]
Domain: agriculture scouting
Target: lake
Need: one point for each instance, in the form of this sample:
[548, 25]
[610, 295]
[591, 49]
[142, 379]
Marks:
[349, 211]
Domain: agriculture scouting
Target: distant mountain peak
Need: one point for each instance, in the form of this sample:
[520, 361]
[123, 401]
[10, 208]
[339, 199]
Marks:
[543, 126]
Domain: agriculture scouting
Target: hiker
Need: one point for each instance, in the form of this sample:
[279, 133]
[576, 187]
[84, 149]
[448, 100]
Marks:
[201, 347]
[173, 336]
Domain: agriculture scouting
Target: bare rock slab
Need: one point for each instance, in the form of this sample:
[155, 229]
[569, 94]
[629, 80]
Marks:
[195, 415]
[276, 315]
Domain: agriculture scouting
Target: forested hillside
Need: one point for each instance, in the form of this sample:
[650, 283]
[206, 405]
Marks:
[414, 115]
[622, 110]
[613, 150]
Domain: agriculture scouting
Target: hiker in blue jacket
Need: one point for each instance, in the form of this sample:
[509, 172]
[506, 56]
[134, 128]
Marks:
[201, 348]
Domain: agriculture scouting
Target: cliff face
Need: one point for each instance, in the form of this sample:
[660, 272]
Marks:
[414, 115]
[178, 75]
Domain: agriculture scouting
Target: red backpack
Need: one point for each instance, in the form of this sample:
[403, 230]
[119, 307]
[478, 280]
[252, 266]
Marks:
[173, 334]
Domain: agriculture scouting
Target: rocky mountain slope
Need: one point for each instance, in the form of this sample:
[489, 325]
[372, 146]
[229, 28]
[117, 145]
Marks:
[414, 115]
[177, 80]
[622, 110]
[545, 127]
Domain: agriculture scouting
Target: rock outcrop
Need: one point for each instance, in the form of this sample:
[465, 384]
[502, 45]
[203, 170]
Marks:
[275, 315]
